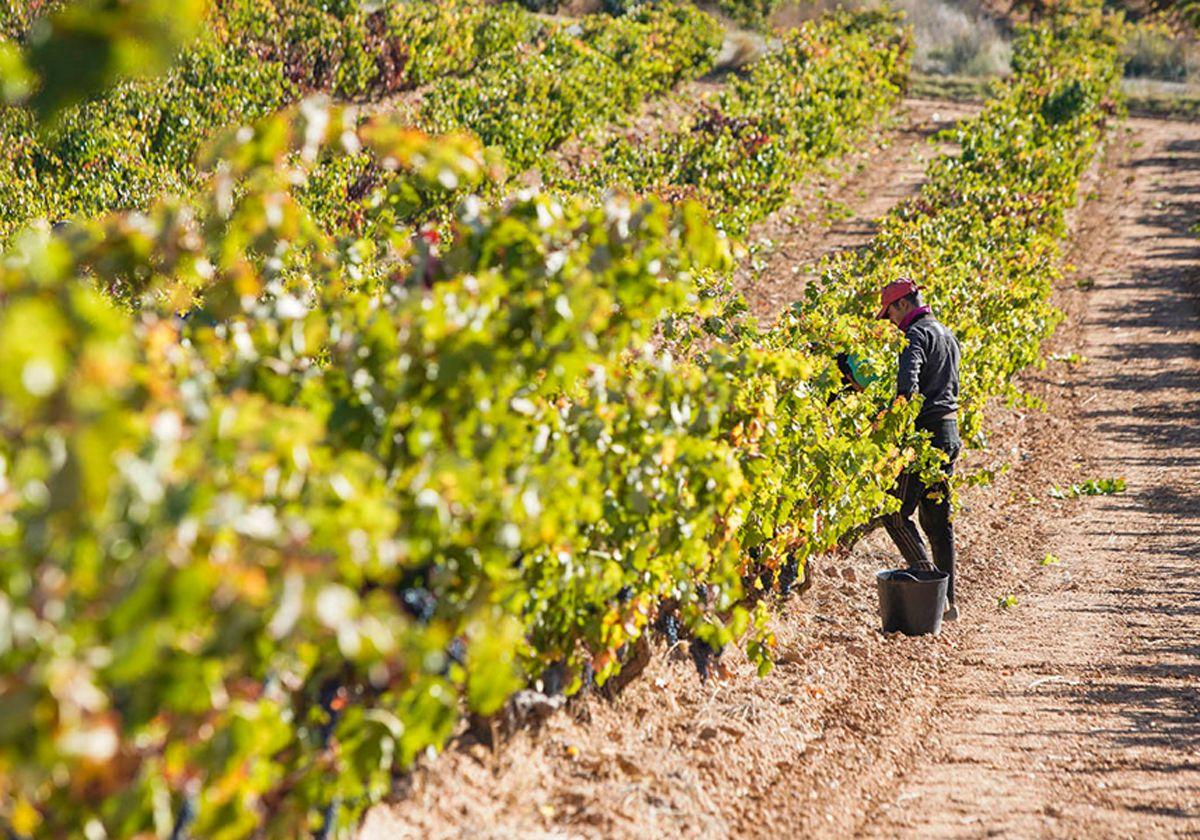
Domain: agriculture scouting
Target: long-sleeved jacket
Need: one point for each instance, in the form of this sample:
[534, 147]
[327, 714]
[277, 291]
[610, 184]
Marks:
[929, 365]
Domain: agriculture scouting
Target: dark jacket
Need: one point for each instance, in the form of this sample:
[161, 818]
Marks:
[929, 365]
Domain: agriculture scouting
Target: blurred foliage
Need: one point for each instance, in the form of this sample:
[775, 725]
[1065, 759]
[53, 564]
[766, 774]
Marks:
[750, 13]
[1154, 50]
[1187, 11]
[523, 103]
[205, 520]
[89, 45]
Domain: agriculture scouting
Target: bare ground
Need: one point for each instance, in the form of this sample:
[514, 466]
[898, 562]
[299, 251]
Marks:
[1075, 713]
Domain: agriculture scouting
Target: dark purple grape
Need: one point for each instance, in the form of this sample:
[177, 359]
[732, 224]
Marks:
[553, 678]
[766, 577]
[419, 603]
[667, 624]
[328, 820]
[702, 655]
[327, 698]
[456, 651]
[788, 574]
[183, 822]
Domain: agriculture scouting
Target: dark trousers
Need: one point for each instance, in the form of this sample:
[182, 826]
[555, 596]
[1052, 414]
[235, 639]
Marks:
[932, 506]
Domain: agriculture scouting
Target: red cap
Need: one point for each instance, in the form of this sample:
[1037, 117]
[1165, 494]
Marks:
[893, 292]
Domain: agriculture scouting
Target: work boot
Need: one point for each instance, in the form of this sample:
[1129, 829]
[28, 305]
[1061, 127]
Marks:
[951, 613]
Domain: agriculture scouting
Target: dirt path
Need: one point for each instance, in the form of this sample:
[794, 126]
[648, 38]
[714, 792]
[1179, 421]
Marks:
[1074, 713]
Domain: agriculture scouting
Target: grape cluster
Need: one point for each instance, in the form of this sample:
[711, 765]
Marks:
[554, 678]
[667, 624]
[788, 574]
[183, 822]
[331, 699]
[419, 603]
[328, 820]
[704, 657]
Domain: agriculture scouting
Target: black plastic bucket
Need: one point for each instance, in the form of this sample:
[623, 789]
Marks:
[911, 601]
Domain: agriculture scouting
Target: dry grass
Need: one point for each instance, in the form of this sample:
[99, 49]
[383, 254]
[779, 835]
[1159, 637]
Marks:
[953, 38]
[1154, 52]
[740, 49]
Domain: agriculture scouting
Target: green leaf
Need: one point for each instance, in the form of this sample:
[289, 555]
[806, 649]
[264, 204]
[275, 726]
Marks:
[1091, 487]
[90, 45]
[16, 79]
[492, 673]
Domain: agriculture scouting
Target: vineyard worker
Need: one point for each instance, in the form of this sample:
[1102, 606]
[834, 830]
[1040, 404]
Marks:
[928, 365]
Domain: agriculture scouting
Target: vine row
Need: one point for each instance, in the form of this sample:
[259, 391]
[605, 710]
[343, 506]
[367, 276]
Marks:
[806, 101]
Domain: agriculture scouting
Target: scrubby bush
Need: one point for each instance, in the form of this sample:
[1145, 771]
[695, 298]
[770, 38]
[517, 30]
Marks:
[1155, 52]
[751, 13]
[957, 39]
